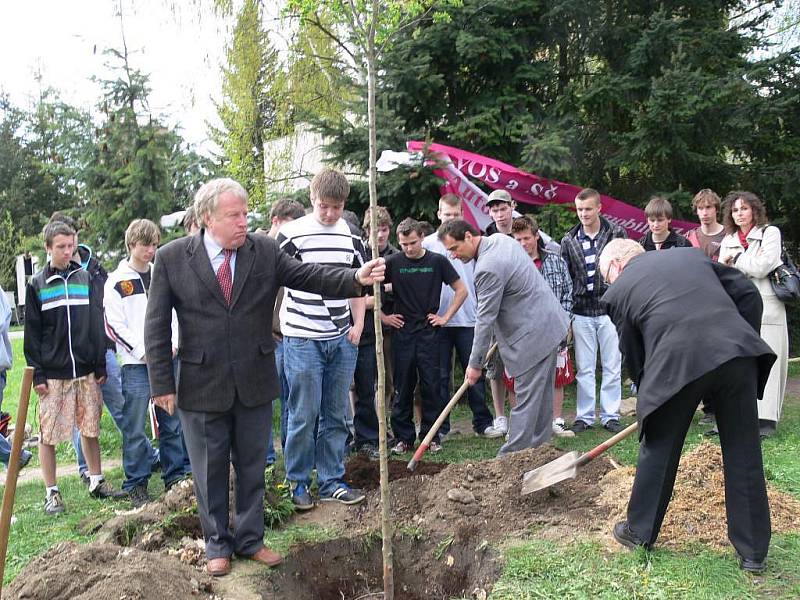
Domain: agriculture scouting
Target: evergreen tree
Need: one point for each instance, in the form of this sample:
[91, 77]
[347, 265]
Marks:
[252, 90]
[129, 175]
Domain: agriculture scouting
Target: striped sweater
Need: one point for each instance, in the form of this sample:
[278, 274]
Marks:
[308, 315]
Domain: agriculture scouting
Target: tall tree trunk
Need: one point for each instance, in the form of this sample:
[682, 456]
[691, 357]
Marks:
[386, 524]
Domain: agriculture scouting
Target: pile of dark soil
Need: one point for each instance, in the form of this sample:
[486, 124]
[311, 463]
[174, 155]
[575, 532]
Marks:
[460, 566]
[486, 495]
[364, 474]
[70, 571]
[696, 512]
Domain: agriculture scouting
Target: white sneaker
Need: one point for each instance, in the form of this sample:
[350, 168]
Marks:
[498, 428]
[560, 429]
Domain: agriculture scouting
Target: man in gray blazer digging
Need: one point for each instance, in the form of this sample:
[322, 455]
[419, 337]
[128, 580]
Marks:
[222, 284]
[515, 301]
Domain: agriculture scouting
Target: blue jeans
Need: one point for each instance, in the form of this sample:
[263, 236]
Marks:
[3, 377]
[112, 398]
[460, 338]
[284, 395]
[319, 374]
[136, 450]
[591, 333]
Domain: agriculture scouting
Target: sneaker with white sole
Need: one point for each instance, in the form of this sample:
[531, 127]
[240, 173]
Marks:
[345, 495]
[560, 429]
[402, 448]
[498, 428]
[54, 503]
[435, 447]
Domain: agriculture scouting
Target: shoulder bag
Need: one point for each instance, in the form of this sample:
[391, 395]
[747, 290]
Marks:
[785, 279]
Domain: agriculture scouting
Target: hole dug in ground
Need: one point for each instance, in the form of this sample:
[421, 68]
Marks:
[461, 566]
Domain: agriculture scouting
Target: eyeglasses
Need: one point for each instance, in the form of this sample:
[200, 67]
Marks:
[608, 271]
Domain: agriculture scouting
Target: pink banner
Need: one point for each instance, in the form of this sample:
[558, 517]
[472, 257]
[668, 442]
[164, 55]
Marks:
[458, 167]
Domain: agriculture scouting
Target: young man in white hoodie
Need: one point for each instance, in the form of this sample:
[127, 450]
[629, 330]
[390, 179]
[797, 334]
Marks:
[125, 303]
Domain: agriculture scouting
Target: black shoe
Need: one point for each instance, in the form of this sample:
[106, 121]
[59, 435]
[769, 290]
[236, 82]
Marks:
[707, 419]
[139, 496]
[85, 478]
[168, 485]
[757, 567]
[623, 534]
[613, 426]
[24, 459]
[713, 432]
[301, 498]
[580, 426]
[345, 495]
[766, 428]
[371, 452]
[105, 490]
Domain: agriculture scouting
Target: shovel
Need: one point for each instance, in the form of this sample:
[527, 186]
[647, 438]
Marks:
[566, 466]
[13, 467]
[423, 446]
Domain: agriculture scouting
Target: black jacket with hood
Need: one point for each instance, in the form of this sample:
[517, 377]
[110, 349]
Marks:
[64, 334]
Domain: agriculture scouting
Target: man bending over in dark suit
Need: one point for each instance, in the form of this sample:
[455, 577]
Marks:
[222, 284]
[677, 354]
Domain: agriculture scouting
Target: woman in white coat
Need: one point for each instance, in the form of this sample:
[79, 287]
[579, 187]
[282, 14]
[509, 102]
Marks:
[754, 247]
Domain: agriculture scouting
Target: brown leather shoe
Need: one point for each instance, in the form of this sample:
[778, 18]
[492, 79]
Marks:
[217, 567]
[267, 557]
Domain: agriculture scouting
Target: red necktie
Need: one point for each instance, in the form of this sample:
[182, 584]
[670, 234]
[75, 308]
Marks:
[225, 277]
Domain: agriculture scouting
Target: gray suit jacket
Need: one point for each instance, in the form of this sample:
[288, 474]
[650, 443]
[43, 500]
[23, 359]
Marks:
[225, 350]
[516, 303]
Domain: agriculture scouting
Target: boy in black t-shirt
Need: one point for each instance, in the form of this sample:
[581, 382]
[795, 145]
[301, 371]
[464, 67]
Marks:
[417, 276]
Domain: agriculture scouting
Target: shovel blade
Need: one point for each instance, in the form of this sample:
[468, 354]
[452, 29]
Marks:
[564, 467]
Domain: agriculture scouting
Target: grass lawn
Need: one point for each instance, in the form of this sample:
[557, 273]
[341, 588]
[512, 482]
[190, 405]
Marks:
[534, 567]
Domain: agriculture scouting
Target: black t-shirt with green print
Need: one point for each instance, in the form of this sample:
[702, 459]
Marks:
[417, 285]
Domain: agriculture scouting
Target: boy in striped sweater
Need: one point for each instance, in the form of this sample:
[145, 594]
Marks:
[320, 346]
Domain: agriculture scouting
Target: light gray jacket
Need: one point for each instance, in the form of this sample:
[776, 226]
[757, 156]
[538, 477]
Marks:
[6, 354]
[514, 302]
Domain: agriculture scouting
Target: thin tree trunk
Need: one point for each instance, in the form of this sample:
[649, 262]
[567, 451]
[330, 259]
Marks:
[386, 524]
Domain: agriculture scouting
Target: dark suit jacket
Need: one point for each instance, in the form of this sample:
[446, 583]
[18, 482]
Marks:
[679, 316]
[225, 351]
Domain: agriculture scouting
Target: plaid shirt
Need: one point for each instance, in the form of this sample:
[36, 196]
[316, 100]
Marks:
[555, 272]
[587, 303]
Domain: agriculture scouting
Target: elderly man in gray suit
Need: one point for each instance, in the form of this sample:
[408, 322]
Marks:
[222, 284]
[516, 303]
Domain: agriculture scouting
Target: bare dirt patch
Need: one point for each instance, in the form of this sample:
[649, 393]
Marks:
[70, 571]
[459, 566]
[486, 495]
[364, 474]
[696, 512]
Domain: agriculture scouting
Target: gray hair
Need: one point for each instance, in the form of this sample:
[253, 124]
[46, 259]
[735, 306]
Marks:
[620, 249]
[205, 200]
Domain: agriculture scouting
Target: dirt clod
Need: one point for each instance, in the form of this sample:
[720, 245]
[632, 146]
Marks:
[460, 495]
[364, 474]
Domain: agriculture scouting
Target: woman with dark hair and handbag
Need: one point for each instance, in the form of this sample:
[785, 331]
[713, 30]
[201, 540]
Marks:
[754, 247]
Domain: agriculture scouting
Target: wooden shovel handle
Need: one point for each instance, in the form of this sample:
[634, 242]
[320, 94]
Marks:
[598, 450]
[425, 444]
[13, 467]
